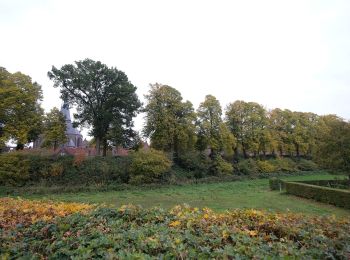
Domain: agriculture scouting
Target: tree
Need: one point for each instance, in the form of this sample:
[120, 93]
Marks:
[104, 97]
[169, 121]
[212, 132]
[333, 144]
[54, 129]
[20, 110]
[248, 122]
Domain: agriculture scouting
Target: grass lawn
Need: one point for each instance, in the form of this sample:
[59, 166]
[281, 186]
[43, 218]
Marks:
[217, 196]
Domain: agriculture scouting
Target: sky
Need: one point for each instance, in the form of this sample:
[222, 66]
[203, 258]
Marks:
[288, 54]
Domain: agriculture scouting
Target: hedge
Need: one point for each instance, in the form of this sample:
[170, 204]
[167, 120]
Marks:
[276, 184]
[337, 184]
[336, 197]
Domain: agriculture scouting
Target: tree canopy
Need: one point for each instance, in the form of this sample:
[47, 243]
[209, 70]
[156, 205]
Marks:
[104, 97]
[20, 110]
[169, 122]
[54, 129]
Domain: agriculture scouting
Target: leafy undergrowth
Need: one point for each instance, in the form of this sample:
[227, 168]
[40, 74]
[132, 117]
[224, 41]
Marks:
[19, 212]
[134, 233]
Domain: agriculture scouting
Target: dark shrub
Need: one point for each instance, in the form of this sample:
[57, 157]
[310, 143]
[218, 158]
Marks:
[247, 167]
[195, 162]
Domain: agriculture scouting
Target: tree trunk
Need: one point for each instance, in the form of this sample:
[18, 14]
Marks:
[98, 146]
[19, 146]
[244, 153]
[104, 147]
[297, 150]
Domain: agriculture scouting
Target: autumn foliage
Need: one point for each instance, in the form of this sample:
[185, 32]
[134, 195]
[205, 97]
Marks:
[131, 232]
[14, 212]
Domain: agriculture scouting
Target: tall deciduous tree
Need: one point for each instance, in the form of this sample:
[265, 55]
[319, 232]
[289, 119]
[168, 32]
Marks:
[20, 110]
[54, 129]
[169, 121]
[104, 97]
[212, 132]
[333, 143]
[248, 122]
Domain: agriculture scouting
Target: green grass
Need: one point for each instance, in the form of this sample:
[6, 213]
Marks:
[217, 196]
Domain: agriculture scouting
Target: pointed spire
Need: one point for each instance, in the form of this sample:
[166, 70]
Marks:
[65, 111]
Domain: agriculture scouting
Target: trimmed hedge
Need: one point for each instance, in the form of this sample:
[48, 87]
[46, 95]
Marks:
[335, 197]
[337, 184]
[276, 184]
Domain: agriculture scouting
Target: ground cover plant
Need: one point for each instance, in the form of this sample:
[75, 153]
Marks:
[217, 196]
[181, 232]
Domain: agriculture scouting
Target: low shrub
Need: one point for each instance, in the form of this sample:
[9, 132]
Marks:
[220, 167]
[247, 167]
[131, 232]
[14, 169]
[306, 165]
[265, 166]
[195, 162]
[148, 166]
[285, 165]
[336, 197]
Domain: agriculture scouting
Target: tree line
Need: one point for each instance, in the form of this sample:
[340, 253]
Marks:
[106, 102]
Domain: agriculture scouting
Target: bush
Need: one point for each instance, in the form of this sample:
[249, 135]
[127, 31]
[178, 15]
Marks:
[285, 165]
[195, 162]
[247, 167]
[220, 167]
[148, 166]
[336, 197]
[265, 167]
[306, 165]
[131, 232]
[14, 169]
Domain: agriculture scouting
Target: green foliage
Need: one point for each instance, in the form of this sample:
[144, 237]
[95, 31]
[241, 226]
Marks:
[338, 183]
[54, 129]
[14, 169]
[285, 165]
[333, 144]
[276, 184]
[148, 166]
[248, 122]
[105, 98]
[336, 197]
[247, 167]
[20, 111]
[265, 166]
[169, 120]
[306, 165]
[131, 232]
[212, 132]
[220, 167]
[25, 168]
[194, 161]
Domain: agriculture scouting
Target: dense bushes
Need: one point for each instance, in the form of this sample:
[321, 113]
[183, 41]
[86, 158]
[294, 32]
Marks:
[336, 197]
[14, 169]
[142, 167]
[131, 232]
[148, 166]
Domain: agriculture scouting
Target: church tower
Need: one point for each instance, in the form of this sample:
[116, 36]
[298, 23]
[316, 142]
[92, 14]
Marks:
[75, 138]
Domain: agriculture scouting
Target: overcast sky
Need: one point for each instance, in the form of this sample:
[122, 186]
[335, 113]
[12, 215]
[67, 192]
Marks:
[286, 54]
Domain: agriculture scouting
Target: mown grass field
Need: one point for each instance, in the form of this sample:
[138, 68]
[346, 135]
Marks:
[217, 196]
